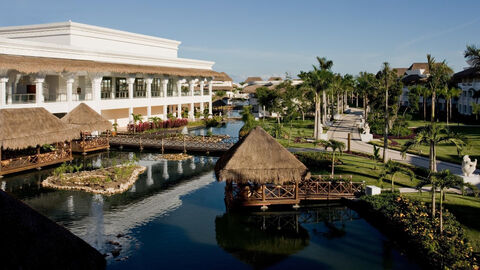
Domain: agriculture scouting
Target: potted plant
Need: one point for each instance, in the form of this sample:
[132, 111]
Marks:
[115, 127]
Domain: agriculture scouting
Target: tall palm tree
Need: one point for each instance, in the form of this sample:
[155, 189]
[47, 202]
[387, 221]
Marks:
[442, 180]
[335, 146]
[472, 53]
[451, 93]
[155, 120]
[421, 90]
[385, 78]
[392, 168]
[433, 135]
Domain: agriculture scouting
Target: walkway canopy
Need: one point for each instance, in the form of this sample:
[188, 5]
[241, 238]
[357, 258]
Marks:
[29, 127]
[85, 119]
[259, 158]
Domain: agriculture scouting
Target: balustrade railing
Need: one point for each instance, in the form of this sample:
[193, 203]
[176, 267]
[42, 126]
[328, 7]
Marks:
[139, 94]
[61, 97]
[22, 98]
[121, 94]
[157, 93]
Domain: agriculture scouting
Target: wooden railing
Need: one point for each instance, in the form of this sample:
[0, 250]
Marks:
[315, 188]
[90, 144]
[61, 154]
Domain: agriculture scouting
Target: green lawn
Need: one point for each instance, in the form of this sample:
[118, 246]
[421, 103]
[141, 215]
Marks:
[465, 208]
[448, 152]
[421, 123]
[362, 169]
[297, 128]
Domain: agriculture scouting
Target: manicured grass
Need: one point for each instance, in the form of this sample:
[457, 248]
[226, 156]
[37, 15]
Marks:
[297, 128]
[448, 152]
[421, 123]
[364, 169]
[465, 208]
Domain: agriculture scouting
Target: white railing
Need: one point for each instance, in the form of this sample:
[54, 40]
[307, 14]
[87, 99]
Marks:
[22, 98]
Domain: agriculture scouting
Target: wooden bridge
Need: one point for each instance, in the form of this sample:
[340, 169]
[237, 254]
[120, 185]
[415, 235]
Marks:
[317, 188]
[162, 144]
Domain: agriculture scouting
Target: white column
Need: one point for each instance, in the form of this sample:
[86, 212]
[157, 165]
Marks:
[13, 81]
[130, 82]
[130, 112]
[164, 88]
[179, 87]
[148, 82]
[191, 112]
[191, 85]
[202, 85]
[3, 91]
[97, 87]
[39, 90]
[114, 86]
[202, 108]
[149, 111]
[165, 112]
[179, 110]
[209, 109]
[210, 87]
[70, 89]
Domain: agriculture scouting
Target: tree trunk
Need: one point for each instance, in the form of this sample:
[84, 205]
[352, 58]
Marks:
[317, 117]
[393, 186]
[385, 135]
[433, 201]
[447, 107]
[356, 100]
[424, 108]
[324, 101]
[338, 104]
[441, 210]
[333, 162]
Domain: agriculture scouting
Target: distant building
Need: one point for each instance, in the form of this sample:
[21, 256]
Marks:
[469, 81]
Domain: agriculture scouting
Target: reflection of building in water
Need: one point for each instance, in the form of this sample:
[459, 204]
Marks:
[149, 175]
[95, 234]
[192, 163]
[180, 167]
[263, 239]
[70, 205]
[165, 170]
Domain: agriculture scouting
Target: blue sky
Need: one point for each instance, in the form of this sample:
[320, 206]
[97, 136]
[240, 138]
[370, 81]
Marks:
[265, 38]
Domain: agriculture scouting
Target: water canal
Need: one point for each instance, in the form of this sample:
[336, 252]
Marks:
[174, 217]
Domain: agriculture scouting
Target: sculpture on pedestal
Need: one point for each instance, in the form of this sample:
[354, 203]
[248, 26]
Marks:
[468, 167]
[366, 129]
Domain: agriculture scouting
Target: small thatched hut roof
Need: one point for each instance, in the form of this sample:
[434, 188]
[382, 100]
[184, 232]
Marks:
[259, 158]
[253, 79]
[222, 76]
[86, 119]
[29, 240]
[29, 127]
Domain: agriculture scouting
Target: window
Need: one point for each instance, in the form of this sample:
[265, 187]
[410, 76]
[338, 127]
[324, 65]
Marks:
[156, 87]
[121, 88]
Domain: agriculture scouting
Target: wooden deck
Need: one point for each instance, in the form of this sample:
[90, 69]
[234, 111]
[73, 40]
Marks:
[12, 165]
[318, 188]
[175, 145]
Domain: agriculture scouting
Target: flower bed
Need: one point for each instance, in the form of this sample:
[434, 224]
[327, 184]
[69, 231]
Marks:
[410, 222]
[170, 123]
[107, 181]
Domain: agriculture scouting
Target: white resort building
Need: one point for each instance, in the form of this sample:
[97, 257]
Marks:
[117, 73]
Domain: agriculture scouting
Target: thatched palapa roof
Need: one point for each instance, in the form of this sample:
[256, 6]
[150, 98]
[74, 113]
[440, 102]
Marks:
[30, 64]
[259, 158]
[223, 77]
[29, 127]
[85, 119]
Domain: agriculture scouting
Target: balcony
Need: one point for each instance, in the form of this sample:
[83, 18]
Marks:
[22, 98]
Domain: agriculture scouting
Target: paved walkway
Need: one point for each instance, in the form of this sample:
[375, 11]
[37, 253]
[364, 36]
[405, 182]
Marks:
[347, 124]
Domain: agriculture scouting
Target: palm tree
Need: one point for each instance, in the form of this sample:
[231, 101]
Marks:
[442, 180]
[375, 156]
[136, 118]
[472, 53]
[433, 135]
[450, 93]
[335, 146]
[385, 79]
[476, 109]
[392, 168]
[155, 120]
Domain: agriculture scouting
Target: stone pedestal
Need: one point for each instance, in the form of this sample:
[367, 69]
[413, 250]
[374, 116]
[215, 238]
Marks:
[474, 179]
[366, 137]
[337, 116]
[324, 136]
[372, 190]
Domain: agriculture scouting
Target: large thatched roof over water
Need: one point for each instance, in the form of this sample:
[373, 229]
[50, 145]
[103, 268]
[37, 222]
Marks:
[29, 127]
[259, 158]
[30, 64]
[86, 119]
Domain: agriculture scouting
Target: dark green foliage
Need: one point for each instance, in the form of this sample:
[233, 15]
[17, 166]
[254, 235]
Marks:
[411, 221]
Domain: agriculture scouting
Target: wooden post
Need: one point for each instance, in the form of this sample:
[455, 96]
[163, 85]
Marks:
[38, 154]
[162, 147]
[263, 193]
[349, 141]
[1, 149]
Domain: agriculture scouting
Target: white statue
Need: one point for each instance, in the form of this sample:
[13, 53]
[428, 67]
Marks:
[468, 167]
[366, 129]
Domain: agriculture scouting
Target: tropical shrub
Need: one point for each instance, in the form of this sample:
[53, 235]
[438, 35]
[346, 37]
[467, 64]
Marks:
[411, 221]
[170, 123]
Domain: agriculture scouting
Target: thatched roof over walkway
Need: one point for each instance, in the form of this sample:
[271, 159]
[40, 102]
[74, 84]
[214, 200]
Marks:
[30, 64]
[29, 127]
[86, 119]
[260, 158]
[29, 240]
